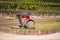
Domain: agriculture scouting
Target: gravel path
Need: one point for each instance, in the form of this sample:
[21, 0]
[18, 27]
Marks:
[6, 36]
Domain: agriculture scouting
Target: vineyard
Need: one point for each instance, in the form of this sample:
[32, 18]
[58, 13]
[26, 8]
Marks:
[39, 5]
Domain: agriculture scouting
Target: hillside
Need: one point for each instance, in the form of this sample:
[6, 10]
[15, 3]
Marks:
[39, 5]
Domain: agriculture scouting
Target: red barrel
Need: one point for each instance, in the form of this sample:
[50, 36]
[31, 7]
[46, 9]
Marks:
[25, 16]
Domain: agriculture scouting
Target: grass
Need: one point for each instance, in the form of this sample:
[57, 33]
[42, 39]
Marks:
[48, 25]
[40, 26]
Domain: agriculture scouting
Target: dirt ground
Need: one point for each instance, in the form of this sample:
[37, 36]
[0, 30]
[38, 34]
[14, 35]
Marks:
[4, 22]
[6, 36]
